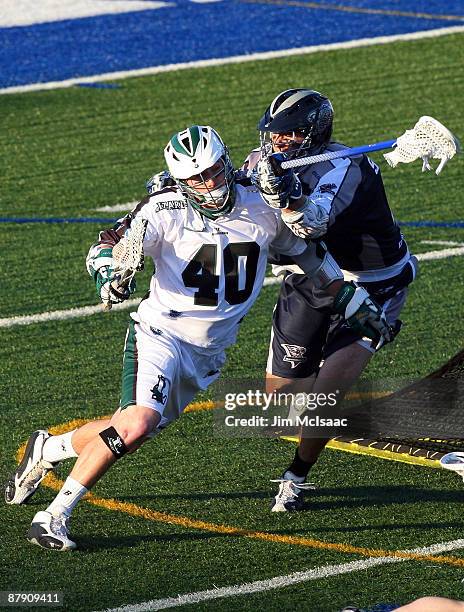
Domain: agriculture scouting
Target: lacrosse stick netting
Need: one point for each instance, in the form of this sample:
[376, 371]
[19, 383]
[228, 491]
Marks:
[429, 139]
[128, 252]
[128, 256]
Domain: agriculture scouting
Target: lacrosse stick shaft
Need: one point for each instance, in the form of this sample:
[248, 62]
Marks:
[349, 152]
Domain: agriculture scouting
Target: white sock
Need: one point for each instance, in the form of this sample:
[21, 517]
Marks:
[57, 448]
[67, 498]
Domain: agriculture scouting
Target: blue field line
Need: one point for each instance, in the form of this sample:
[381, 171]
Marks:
[384, 607]
[56, 220]
[432, 223]
[76, 48]
[451, 224]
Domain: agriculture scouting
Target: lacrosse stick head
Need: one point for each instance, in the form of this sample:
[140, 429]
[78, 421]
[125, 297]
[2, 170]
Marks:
[128, 258]
[453, 462]
[128, 252]
[429, 139]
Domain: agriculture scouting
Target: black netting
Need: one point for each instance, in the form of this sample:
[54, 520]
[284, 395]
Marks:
[435, 403]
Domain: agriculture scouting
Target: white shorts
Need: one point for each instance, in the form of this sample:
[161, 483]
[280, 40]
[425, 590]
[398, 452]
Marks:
[164, 373]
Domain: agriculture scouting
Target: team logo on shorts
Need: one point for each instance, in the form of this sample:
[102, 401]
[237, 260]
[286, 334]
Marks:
[158, 391]
[295, 354]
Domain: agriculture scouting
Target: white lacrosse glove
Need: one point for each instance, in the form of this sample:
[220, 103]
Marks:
[99, 264]
[277, 186]
[159, 181]
[309, 221]
[363, 314]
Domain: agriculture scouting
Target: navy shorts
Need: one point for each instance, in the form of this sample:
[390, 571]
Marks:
[305, 330]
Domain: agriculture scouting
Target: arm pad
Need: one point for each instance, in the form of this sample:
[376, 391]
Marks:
[317, 263]
[308, 221]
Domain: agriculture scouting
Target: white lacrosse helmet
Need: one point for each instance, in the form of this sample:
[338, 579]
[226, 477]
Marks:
[192, 152]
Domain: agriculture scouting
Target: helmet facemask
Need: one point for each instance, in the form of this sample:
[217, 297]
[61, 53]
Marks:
[294, 146]
[303, 119]
[212, 202]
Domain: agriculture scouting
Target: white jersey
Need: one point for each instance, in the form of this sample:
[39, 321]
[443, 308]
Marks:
[208, 272]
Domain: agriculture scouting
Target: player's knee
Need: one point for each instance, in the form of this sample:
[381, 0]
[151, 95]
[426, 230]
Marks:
[273, 383]
[138, 431]
[135, 424]
[277, 383]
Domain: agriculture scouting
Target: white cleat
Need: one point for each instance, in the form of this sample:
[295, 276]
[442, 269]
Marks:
[290, 497]
[24, 482]
[50, 531]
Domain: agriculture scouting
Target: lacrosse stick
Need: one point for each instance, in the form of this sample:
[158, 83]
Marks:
[428, 139]
[453, 462]
[128, 257]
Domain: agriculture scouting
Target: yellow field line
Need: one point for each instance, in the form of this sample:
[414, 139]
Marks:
[353, 9]
[379, 453]
[182, 521]
[376, 452]
[354, 395]
[52, 482]
[198, 406]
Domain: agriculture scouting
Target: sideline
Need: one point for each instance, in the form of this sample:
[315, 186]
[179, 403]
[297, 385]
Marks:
[236, 59]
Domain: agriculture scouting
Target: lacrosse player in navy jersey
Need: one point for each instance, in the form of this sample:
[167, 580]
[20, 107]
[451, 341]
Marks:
[209, 236]
[343, 202]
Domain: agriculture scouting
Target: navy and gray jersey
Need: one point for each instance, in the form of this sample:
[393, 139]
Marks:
[362, 234]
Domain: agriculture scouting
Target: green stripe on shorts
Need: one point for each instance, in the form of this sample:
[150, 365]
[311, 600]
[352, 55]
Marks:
[129, 369]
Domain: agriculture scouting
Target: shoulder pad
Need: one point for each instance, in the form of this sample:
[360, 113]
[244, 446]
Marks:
[167, 189]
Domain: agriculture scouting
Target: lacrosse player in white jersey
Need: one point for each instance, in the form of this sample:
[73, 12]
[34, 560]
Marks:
[209, 237]
[342, 201]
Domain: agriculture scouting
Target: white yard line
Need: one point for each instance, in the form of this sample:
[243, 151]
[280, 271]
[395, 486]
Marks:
[284, 581]
[443, 254]
[442, 242]
[237, 59]
[61, 315]
[86, 311]
[118, 207]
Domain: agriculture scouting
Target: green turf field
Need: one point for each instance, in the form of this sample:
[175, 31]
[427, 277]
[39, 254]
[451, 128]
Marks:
[68, 152]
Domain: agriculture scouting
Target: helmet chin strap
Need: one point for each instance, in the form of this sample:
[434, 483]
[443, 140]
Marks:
[217, 195]
[298, 149]
[221, 203]
[211, 200]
